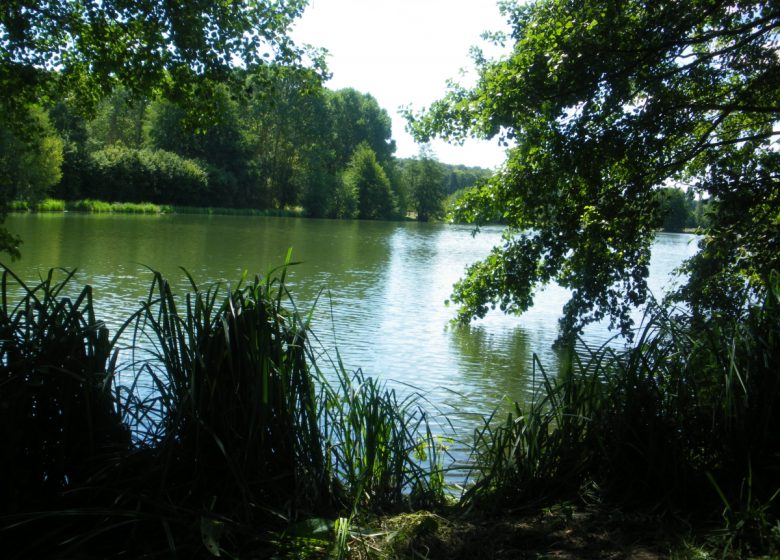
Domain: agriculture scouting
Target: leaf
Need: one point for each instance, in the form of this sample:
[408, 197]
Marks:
[210, 533]
[315, 528]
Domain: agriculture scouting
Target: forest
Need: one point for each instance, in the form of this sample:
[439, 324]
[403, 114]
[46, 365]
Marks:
[277, 139]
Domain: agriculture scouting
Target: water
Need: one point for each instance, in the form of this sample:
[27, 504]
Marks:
[381, 289]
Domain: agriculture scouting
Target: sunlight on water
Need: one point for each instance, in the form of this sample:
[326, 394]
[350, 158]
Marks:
[381, 290]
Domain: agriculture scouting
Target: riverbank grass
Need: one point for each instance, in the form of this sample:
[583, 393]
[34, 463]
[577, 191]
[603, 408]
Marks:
[102, 207]
[202, 427]
[212, 424]
[686, 422]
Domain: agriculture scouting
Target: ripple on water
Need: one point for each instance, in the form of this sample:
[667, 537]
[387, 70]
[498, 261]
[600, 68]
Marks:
[381, 289]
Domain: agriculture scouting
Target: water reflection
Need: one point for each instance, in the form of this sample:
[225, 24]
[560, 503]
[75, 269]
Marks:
[382, 287]
[496, 366]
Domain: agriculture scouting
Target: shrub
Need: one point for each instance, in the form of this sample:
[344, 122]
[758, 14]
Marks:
[122, 174]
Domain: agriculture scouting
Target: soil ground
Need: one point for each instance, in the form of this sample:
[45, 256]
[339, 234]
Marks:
[562, 532]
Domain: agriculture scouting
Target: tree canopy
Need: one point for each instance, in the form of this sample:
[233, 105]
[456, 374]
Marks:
[80, 51]
[366, 177]
[425, 180]
[89, 47]
[605, 103]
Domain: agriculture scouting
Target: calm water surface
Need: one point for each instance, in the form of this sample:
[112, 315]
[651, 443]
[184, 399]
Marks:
[384, 286]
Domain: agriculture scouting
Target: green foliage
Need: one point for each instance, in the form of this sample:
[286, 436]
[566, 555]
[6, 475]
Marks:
[381, 446]
[72, 128]
[102, 207]
[677, 209]
[462, 177]
[57, 418]
[424, 178]
[365, 176]
[88, 49]
[124, 174]
[209, 429]
[344, 201]
[118, 119]
[50, 205]
[30, 160]
[685, 419]
[80, 52]
[604, 104]
[220, 146]
[287, 124]
[236, 394]
[357, 118]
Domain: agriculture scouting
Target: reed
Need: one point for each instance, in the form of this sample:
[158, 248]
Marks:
[380, 446]
[58, 422]
[222, 431]
[295, 212]
[18, 206]
[44, 205]
[686, 419]
[236, 393]
[50, 205]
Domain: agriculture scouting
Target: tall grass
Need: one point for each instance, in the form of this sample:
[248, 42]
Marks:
[58, 422]
[379, 445]
[102, 207]
[236, 392]
[44, 205]
[223, 431]
[686, 419]
[294, 212]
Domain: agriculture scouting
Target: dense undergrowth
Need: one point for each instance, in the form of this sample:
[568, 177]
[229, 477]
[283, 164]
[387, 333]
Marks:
[685, 422]
[213, 424]
[211, 433]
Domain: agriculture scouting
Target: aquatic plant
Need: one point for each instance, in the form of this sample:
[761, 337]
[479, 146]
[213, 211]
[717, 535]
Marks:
[686, 419]
[205, 424]
[58, 420]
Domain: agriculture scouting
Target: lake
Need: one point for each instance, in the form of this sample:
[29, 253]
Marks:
[382, 288]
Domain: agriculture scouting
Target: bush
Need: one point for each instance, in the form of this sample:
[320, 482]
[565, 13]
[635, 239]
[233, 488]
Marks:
[122, 174]
[50, 205]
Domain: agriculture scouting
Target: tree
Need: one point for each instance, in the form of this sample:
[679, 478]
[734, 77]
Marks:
[287, 126]
[64, 48]
[357, 118]
[366, 177]
[118, 119]
[71, 126]
[425, 181]
[220, 144]
[344, 200]
[91, 47]
[30, 163]
[673, 207]
[606, 103]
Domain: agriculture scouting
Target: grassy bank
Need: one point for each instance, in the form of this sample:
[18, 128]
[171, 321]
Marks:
[102, 207]
[213, 424]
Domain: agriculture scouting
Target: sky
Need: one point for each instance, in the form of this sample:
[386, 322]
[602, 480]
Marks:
[403, 52]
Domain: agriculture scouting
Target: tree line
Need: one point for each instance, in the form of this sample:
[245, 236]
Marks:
[273, 138]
